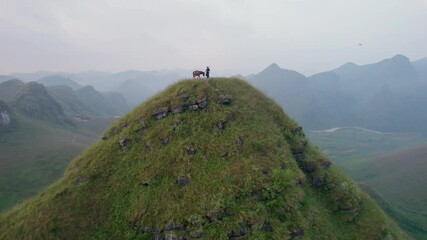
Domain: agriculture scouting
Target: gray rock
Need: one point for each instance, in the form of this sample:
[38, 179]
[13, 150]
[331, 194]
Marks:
[79, 180]
[182, 181]
[170, 225]
[325, 163]
[178, 109]
[299, 156]
[191, 150]
[193, 107]
[165, 140]
[117, 129]
[160, 113]
[266, 227]
[266, 171]
[202, 104]
[142, 126]
[296, 131]
[297, 232]
[318, 181]
[309, 167]
[239, 141]
[220, 125]
[146, 183]
[124, 143]
[223, 99]
[142, 123]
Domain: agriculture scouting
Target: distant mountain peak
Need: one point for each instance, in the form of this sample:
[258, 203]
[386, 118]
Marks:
[400, 57]
[273, 66]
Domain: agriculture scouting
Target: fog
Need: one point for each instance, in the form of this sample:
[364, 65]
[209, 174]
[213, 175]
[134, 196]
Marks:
[230, 36]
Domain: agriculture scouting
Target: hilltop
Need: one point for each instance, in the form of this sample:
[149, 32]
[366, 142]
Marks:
[203, 159]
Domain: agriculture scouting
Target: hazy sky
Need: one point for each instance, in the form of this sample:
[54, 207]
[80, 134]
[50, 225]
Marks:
[241, 36]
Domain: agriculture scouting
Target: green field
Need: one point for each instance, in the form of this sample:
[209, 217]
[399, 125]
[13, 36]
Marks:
[390, 167]
[36, 153]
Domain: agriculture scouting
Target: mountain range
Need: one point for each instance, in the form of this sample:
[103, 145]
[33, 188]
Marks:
[386, 96]
[59, 102]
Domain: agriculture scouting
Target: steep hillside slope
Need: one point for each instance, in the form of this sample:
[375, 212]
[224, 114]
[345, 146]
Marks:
[98, 103]
[34, 101]
[203, 159]
[10, 90]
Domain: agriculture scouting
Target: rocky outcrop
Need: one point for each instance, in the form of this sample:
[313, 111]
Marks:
[4, 118]
[5, 114]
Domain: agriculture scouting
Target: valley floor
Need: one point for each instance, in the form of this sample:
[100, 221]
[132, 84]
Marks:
[36, 153]
[389, 166]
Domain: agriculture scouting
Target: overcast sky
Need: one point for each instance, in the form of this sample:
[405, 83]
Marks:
[241, 36]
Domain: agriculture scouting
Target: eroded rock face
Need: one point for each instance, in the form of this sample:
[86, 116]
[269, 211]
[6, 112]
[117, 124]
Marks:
[191, 150]
[160, 112]
[309, 167]
[325, 163]
[124, 143]
[4, 118]
[318, 181]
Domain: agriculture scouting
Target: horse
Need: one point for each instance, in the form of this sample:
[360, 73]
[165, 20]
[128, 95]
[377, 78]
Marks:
[197, 73]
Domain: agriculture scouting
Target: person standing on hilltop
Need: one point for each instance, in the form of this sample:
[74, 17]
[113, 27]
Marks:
[207, 71]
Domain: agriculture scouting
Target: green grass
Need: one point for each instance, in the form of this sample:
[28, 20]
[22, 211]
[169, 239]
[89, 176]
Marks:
[391, 167]
[36, 153]
[111, 192]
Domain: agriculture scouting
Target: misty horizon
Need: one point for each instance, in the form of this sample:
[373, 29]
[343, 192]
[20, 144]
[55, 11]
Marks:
[229, 36]
[218, 72]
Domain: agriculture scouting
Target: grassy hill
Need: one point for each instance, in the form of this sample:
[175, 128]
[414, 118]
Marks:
[204, 159]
